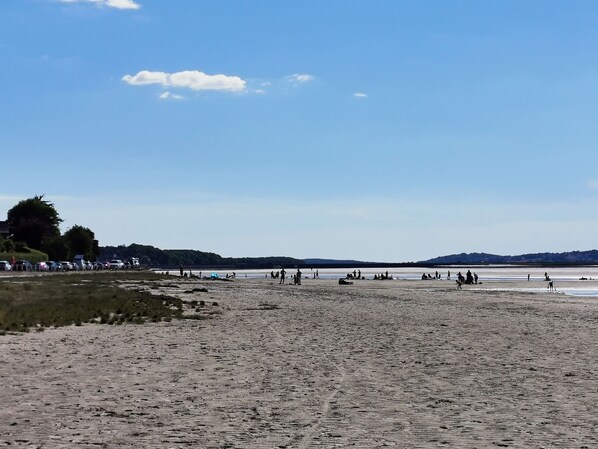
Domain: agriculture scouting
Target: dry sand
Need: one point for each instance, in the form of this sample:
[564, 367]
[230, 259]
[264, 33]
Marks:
[413, 364]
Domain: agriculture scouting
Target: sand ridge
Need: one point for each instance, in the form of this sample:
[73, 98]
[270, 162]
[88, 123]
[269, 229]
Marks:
[374, 364]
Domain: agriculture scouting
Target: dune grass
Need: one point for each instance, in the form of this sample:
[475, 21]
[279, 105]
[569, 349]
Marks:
[61, 300]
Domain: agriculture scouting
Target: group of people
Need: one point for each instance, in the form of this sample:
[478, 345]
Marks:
[436, 275]
[282, 274]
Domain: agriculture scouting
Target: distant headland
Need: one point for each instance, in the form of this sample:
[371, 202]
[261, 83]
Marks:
[152, 256]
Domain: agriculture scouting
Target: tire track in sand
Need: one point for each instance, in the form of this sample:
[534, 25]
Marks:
[324, 410]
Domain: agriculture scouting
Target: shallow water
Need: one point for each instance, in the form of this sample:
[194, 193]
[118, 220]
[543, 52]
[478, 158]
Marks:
[537, 282]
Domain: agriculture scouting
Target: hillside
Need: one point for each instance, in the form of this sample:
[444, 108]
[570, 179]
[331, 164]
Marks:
[566, 258]
[152, 256]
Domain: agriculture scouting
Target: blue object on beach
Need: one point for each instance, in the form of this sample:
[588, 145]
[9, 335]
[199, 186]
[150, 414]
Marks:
[214, 275]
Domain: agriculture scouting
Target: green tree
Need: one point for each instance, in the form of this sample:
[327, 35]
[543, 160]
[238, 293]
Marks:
[55, 247]
[80, 240]
[33, 220]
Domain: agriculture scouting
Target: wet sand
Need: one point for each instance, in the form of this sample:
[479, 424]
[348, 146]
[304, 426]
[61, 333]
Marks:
[412, 364]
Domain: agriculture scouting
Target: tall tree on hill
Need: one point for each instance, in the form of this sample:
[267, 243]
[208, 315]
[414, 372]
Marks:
[82, 240]
[33, 220]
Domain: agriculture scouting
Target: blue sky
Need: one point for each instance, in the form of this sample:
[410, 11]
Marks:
[374, 130]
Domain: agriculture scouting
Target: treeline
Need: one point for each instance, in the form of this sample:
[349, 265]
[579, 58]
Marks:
[156, 257]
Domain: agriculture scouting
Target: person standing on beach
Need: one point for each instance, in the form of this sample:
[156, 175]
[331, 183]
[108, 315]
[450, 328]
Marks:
[298, 277]
[282, 273]
[181, 269]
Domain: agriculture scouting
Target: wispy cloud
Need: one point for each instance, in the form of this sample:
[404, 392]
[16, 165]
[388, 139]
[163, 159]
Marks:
[118, 4]
[190, 79]
[360, 95]
[593, 184]
[300, 78]
[170, 96]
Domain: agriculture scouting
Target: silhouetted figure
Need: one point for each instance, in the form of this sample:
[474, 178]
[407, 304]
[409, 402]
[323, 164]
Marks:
[550, 286]
[282, 273]
[468, 277]
[298, 277]
[181, 269]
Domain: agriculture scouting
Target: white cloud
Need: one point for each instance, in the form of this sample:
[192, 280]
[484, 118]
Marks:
[191, 79]
[300, 78]
[168, 95]
[360, 95]
[593, 184]
[118, 4]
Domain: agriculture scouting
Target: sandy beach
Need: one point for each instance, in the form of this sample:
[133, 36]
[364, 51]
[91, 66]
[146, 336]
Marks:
[413, 364]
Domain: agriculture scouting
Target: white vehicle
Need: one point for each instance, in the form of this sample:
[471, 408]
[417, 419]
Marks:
[66, 266]
[79, 262]
[5, 265]
[116, 264]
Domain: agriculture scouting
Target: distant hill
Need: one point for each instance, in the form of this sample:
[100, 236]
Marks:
[156, 257]
[566, 258]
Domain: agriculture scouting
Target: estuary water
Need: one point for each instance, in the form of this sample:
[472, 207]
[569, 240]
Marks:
[576, 281]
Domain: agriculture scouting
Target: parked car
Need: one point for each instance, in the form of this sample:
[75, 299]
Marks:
[53, 266]
[134, 262]
[116, 264]
[66, 266]
[5, 265]
[22, 265]
[79, 262]
[41, 266]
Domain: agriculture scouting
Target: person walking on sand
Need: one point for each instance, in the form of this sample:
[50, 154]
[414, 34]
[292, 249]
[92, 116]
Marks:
[181, 269]
[298, 277]
[282, 273]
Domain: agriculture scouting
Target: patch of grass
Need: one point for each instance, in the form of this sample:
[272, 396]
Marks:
[31, 255]
[47, 301]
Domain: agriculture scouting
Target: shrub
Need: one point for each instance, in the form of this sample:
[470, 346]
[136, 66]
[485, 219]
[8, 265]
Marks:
[21, 247]
[9, 246]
